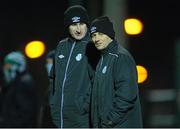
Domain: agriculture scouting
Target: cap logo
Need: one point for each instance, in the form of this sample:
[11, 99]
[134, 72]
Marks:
[61, 56]
[76, 19]
[93, 29]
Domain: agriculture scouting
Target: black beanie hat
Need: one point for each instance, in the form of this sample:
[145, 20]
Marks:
[50, 54]
[75, 14]
[103, 25]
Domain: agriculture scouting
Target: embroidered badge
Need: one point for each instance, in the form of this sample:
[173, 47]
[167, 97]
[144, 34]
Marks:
[76, 19]
[78, 57]
[61, 56]
[104, 69]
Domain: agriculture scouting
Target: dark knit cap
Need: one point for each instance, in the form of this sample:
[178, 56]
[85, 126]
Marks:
[50, 54]
[75, 14]
[103, 25]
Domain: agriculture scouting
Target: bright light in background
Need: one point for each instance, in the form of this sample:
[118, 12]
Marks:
[142, 73]
[133, 26]
[35, 49]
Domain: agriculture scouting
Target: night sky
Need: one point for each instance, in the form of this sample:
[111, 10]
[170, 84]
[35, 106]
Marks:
[154, 48]
[24, 21]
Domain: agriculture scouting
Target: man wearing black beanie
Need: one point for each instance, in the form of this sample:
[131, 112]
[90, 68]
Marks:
[70, 77]
[115, 99]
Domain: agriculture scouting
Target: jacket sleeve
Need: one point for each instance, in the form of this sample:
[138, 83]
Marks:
[52, 74]
[91, 74]
[125, 90]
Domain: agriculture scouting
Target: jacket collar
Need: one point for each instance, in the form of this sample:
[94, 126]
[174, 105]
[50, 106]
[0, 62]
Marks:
[111, 48]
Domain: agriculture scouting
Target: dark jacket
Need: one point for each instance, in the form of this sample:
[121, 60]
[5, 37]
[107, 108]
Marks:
[115, 99]
[20, 103]
[70, 84]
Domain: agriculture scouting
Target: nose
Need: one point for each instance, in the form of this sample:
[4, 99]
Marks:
[96, 39]
[78, 27]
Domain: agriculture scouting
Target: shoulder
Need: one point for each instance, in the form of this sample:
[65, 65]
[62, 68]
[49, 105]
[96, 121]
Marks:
[124, 54]
[26, 81]
[26, 78]
[62, 41]
[60, 44]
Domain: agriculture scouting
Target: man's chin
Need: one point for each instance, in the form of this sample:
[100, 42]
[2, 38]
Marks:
[79, 37]
[99, 48]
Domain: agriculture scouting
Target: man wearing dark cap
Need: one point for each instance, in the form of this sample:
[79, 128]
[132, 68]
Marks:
[70, 75]
[19, 108]
[115, 99]
[49, 61]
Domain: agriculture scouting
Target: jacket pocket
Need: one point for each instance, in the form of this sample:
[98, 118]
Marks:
[82, 105]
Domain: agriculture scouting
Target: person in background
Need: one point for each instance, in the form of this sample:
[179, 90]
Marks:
[45, 119]
[1, 79]
[19, 107]
[49, 63]
[1, 90]
[115, 97]
[71, 73]
[49, 60]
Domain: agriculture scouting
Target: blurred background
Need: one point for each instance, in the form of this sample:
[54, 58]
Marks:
[156, 47]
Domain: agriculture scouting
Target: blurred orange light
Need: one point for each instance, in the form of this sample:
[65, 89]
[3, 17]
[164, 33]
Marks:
[133, 26]
[142, 73]
[35, 49]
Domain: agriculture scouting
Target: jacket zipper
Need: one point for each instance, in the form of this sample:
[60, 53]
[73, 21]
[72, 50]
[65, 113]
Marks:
[99, 70]
[65, 75]
[101, 63]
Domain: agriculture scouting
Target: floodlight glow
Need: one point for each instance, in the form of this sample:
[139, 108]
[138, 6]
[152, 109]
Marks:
[133, 26]
[142, 73]
[35, 49]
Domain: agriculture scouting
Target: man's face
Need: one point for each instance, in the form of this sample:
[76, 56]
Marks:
[7, 66]
[78, 30]
[8, 73]
[101, 40]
